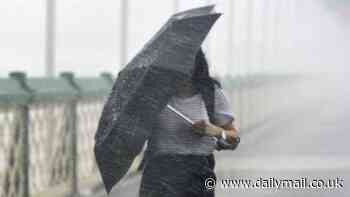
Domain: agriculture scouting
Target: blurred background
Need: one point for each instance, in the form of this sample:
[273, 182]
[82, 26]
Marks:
[283, 63]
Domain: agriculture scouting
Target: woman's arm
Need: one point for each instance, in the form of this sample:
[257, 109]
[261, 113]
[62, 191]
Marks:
[205, 128]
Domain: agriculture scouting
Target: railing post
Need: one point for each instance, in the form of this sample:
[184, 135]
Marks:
[25, 150]
[69, 77]
[107, 76]
[73, 112]
[20, 77]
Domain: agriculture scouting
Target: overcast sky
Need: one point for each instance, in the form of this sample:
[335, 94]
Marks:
[88, 35]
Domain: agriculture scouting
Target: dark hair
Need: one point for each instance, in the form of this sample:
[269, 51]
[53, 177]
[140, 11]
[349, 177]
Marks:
[203, 82]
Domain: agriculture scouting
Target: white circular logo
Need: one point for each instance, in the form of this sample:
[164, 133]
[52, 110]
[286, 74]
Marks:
[210, 183]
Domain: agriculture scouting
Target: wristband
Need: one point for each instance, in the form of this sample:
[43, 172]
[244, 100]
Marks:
[223, 134]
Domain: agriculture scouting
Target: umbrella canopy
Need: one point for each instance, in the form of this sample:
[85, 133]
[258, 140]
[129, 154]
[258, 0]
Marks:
[144, 87]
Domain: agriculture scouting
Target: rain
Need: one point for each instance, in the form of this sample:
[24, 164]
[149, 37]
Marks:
[282, 64]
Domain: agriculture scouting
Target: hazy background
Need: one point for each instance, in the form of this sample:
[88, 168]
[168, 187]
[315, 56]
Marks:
[283, 35]
[291, 126]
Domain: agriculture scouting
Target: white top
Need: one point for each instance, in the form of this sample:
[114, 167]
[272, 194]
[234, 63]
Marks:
[174, 134]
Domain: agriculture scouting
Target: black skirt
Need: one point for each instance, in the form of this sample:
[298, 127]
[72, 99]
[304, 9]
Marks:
[177, 175]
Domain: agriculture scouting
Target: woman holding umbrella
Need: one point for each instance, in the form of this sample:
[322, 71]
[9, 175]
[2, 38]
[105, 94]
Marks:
[180, 156]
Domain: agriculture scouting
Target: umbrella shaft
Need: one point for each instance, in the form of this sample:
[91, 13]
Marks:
[180, 114]
[183, 116]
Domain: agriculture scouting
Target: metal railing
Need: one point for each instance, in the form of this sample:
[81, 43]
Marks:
[47, 127]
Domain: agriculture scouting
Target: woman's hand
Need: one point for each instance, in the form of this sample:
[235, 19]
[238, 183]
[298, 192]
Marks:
[204, 128]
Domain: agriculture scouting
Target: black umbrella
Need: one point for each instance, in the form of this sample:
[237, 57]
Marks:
[144, 87]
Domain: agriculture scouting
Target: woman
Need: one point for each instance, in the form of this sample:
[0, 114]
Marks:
[180, 155]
